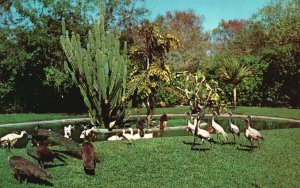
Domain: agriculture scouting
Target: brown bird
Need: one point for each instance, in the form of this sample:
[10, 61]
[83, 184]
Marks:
[25, 169]
[42, 136]
[163, 120]
[88, 158]
[43, 154]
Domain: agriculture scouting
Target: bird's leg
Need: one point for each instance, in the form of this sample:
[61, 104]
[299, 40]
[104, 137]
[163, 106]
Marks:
[251, 145]
[233, 138]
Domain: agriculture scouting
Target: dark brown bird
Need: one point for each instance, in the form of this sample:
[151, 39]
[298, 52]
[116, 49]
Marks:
[140, 126]
[163, 120]
[25, 169]
[88, 158]
[41, 136]
[43, 154]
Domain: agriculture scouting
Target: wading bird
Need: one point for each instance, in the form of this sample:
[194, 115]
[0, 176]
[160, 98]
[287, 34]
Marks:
[251, 134]
[88, 158]
[25, 169]
[11, 139]
[217, 128]
[233, 128]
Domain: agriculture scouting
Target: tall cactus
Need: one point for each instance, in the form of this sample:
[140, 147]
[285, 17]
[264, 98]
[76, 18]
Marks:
[99, 70]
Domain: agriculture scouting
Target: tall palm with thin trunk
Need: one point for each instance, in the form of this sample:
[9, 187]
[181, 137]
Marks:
[234, 72]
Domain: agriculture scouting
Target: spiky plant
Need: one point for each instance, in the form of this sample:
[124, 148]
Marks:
[99, 69]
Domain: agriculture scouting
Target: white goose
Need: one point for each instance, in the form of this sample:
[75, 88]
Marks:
[217, 128]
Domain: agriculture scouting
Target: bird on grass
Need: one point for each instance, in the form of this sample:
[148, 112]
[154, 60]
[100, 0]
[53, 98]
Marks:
[252, 134]
[43, 154]
[25, 169]
[88, 158]
[217, 128]
[11, 139]
[202, 134]
[233, 128]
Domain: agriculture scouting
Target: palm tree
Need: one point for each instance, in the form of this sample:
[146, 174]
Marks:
[234, 72]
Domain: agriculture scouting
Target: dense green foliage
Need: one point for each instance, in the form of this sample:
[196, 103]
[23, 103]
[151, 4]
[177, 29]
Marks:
[167, 162]
[269, 45]
[32, 78]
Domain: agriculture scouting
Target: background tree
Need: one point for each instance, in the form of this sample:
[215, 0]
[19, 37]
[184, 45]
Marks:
[187, 27]
[234, 72]
[149, 68]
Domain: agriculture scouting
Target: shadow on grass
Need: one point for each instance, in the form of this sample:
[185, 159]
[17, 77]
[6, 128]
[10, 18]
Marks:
[190, 143]
[199, 149]
[53, 165]
[244, 147]
[35, 181]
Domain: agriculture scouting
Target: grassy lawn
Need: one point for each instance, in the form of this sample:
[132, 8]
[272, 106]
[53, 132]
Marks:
[266, 111]
[167, 162]
[261, 111]
[17, 118]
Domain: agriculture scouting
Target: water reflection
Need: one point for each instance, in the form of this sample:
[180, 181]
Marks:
[178, 122]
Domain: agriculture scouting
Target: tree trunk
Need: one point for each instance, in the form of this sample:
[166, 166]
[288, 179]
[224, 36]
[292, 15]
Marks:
[234, 96]
[150, 110]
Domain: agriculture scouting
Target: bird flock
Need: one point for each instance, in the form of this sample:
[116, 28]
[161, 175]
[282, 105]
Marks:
[39, 149]
[41, 139]
[195, 129]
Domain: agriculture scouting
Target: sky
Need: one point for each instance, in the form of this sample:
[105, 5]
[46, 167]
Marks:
[213, 10]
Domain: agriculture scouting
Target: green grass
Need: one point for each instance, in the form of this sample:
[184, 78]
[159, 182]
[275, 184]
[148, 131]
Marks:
[266, 111]
[167, 162]
[17, 118]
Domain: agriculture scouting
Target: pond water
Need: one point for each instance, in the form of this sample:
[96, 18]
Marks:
[180, 122]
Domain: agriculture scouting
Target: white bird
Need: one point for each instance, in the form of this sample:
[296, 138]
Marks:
[11, 139]
[217, 128]
[114, 138]
[89, 134]
[148, 135]
[191, 126]
[233, 128]
[254, 130]
[68, 131]
[197, 131]
[250, 133]
[204, 135]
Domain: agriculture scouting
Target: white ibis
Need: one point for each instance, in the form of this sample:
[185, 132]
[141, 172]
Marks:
[233, 128]
[10, 140]
[217, 128]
